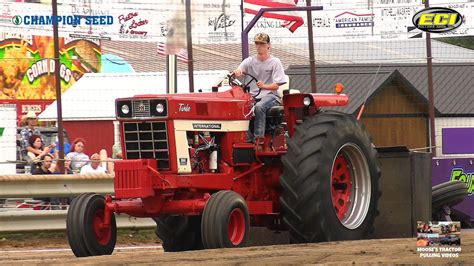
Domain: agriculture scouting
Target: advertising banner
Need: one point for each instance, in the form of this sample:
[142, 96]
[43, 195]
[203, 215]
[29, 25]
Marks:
[217, 21]
[27, 65]
[452, 168]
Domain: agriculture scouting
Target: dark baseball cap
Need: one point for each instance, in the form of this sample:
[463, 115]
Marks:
[262, 38]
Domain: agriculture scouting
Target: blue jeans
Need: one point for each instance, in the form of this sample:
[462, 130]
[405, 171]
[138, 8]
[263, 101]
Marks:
[260, 111]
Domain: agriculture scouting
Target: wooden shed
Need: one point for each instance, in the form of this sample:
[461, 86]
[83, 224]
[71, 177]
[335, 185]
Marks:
[396, 97]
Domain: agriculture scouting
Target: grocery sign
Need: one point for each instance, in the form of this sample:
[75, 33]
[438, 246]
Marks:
[27, 65]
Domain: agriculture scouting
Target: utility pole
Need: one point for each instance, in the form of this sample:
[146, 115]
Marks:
[57, 81]
[312, 63]
[190, 46]
[429, 60]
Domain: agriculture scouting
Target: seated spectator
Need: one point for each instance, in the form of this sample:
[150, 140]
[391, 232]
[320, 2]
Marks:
[67, 167]
[106, 162]
[37, 150]
[44, 165]
[117, 151]
[94, 167]
[77, 155]
[67, 146]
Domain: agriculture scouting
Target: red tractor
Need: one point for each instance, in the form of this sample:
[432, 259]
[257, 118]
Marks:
[188, 166]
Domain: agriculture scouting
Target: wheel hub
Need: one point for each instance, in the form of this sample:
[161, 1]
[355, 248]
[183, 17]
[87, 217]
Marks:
[102, 233]
[350, 186]
[236, 226]
[341, 187]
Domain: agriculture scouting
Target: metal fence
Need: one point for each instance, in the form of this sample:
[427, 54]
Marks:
[26, 186]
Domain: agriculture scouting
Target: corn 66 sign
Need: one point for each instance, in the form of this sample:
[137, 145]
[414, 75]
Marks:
[437, 19]
[27, 66]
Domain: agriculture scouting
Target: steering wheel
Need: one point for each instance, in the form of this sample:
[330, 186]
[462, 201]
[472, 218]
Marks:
[233, 80]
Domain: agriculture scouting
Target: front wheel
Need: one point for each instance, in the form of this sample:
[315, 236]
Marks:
[330, 180]
[225, 221]
[86, 230]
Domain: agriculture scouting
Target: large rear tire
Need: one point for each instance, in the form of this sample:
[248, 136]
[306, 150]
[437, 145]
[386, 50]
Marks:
[86, 232]
[330, 180]
[225, 221]
[179, 232]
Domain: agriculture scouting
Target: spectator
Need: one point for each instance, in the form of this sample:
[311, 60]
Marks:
[77, 155]
[106, 162]
[117, 151]
[94, 167]
[37, 149]
[67, 146]
[67, 167]
[44, 165]
[30, 129]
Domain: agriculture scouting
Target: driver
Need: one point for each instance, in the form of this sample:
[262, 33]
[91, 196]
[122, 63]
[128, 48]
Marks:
[270, 75]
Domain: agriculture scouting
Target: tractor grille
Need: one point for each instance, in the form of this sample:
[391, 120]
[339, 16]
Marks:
[147, 140]
[141, 108]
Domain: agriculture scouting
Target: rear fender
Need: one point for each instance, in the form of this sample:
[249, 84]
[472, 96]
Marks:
[317, 99]
[291, 102]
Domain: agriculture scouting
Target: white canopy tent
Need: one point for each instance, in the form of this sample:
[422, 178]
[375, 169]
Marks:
[93, 96]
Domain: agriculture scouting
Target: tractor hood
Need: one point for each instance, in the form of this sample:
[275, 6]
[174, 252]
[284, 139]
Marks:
[232, 104]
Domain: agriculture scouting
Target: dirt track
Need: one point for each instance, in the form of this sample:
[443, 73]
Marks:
[373, 251]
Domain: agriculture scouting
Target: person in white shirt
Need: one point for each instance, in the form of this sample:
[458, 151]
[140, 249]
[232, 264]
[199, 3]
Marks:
[270, 74]
[77, 155]
[94, 167]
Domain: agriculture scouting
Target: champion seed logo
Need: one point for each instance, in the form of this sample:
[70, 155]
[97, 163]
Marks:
[73, 20]
[16, 20]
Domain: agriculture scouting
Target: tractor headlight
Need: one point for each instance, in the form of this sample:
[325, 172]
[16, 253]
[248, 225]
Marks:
[160, 108]
[306, 101]
[125, 109]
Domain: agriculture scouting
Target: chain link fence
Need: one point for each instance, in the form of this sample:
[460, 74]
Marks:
[367, 45]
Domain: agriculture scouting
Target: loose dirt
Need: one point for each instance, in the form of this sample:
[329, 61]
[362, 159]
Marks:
[347, 252]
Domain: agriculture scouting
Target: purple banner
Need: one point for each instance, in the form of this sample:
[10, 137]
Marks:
[449, 169]
[458, 140]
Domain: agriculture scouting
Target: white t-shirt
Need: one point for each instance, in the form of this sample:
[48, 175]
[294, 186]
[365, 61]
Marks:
[87, 169]
[78, 160]
[268, 71]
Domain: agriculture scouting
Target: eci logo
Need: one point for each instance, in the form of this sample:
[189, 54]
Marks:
[64, 20]
[437, 19]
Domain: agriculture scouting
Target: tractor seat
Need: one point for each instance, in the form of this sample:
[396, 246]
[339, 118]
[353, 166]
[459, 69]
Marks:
[275, 115]
[275, 111]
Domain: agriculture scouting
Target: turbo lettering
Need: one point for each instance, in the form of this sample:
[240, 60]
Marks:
[184, 107]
